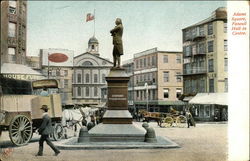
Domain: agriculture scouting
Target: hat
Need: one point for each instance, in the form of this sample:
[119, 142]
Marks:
[44, 107]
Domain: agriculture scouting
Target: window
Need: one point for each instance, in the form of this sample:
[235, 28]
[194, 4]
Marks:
[178, 92]
[178, 59]
[95, 78]
[141, 63]
[145, 62]
[79, 91]
[79, 78]
[92, 47]
[202, 86]
[226, 85]
[153, 60]
[87, 92]
[201, 48]
[201, 31]
[149, 62]
[210, 29]
[225, 64]
[137, 63]
[178, 77]
[66, 83]
[225, 27]
[187, 50]
[210, 65]
[87, 78]
[154, 77]
[165, 58]
[65, 73]
[11, 51]
[87, 63]
[166, 92]
[57, 72]
[207, 111]
[165, 76]
[210, 46]
[103, 78]
[95, 91]
[12, 30]
[211, 85]
[12, 7]
[225, 45]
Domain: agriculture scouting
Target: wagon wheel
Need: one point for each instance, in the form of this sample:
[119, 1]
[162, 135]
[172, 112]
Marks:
[20, 130]
[167, 122]
[58, 132]
[181, 121]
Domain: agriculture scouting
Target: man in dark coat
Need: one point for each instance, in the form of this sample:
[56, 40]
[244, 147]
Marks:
[117, 42]
[45, 130]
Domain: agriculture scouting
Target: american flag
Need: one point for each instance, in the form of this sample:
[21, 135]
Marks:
[90, 17]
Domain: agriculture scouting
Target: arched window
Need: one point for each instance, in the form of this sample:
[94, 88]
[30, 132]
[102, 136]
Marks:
[79, 76]
[87, 63]
[95, 78]
[87, 78]
[87, 92]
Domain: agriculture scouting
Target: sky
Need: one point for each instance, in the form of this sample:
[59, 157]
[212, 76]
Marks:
[147, 24]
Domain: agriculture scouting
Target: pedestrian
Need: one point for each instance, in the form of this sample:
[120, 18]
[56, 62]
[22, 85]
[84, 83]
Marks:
[45, 130]
[190, 120]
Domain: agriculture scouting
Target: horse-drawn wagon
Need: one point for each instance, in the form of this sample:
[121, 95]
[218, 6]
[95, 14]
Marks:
[21, 114]
[165, 119]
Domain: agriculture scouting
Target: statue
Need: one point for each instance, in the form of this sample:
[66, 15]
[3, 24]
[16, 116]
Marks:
[117, 42]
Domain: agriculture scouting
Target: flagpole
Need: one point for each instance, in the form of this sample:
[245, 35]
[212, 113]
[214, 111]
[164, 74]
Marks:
[94, 22]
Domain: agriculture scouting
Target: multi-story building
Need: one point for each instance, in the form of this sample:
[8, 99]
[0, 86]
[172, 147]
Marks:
[13, 31]
[58, 64]
[128, 65]
[205, 60]
[158, 80]
[90, 70]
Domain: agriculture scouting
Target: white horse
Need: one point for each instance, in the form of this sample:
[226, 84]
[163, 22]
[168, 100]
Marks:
[72, 118]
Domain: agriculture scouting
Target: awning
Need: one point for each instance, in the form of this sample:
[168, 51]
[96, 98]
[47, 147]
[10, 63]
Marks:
[160, 102]
[186, 99]
[210, 98]
[20, 72]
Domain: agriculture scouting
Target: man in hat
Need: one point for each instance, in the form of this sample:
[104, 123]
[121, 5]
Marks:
[45, 130]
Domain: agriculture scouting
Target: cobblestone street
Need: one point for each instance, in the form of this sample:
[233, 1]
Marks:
[205, 142]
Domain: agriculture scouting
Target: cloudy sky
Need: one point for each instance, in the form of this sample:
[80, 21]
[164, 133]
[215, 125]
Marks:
[62, 24]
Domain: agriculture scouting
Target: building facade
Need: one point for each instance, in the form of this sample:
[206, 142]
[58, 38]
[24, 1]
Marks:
[205, 59]
[157, 80]
[13, 31]
[58, 64]
[90, 70]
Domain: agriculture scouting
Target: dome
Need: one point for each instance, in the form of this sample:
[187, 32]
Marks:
[93, 40]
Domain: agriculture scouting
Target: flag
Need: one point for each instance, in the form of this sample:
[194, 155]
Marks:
[90, 17]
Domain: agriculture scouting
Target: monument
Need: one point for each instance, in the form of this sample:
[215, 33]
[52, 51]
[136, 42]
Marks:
[117, 121]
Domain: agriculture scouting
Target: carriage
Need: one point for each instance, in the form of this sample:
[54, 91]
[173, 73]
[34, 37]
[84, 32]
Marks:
[20, 113]
[165, 119]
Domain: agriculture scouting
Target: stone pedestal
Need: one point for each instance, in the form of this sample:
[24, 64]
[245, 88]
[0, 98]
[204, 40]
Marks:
[117, 121]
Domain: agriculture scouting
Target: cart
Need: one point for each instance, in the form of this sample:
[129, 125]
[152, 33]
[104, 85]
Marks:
[21, 114]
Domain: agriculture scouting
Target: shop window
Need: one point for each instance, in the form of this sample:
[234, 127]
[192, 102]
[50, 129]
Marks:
[207, 111]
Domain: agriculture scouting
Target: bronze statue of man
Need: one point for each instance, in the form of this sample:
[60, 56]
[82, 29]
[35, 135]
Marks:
[117, 42]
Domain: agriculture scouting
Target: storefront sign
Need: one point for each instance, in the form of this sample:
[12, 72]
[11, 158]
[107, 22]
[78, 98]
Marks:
[22, 76]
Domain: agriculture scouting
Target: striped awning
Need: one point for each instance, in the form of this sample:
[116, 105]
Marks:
[160, 102]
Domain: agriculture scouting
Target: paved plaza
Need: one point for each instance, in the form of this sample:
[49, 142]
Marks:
[205, 142]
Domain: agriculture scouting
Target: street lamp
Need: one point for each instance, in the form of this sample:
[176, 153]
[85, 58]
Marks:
[146, 86]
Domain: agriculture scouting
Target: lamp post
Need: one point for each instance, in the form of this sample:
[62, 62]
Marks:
[146, 86]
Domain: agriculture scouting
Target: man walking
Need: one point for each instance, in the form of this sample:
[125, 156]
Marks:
[44, 130]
